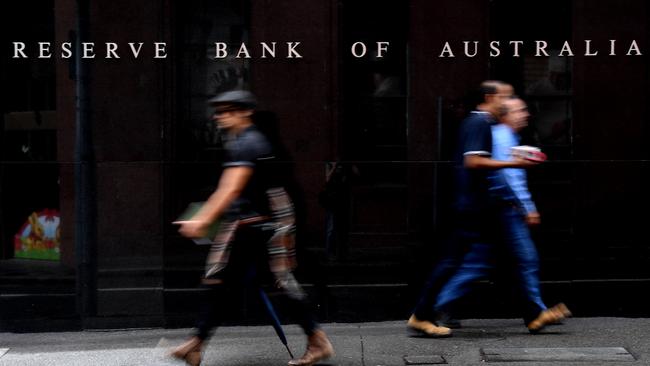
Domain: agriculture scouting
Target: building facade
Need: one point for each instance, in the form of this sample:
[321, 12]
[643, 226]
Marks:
[107, 151]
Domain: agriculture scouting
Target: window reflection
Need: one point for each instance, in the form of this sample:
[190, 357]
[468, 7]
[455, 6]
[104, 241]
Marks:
[203, 75]
[374, 117]
[548, 89]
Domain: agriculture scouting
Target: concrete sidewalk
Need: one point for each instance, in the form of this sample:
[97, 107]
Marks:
[581, 341]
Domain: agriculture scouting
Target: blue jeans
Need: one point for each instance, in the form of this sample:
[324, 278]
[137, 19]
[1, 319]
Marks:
[453, 251]
[512, 231]
[524, 254]
[471, 227]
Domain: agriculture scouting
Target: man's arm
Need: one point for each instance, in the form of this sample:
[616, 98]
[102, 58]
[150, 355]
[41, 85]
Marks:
[477, 142]
[231, 184]
[473, 161]
[533, 218]
[518, 183]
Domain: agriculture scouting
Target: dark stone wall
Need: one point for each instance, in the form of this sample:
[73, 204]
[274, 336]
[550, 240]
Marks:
[438, 87]
[129, 101]
[65, 114]
[302, 93]
[611, 142]
[601, 207]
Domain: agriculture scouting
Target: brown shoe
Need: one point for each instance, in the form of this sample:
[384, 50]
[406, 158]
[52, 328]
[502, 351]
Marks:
[549, 316]
[190, 351]
[318, 348]
[562, 309]
[427, 328]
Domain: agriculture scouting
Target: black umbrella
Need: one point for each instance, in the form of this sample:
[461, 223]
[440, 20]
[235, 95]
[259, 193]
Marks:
[274, 320]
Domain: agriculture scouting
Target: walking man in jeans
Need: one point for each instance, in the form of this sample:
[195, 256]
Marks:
[477, 216]
[516, 212]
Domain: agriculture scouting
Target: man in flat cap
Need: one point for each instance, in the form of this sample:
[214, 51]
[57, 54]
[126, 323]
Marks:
[257, 227]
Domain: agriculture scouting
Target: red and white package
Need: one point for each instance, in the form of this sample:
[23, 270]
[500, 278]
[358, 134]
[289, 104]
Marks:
[528, 152]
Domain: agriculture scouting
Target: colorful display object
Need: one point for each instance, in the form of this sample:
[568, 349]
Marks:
[39, 237]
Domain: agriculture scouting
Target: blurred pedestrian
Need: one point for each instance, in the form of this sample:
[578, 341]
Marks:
[476, 224]
[257, 228]
[517, 211]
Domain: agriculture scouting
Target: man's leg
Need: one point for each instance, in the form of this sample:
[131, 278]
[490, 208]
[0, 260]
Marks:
[318, 345]
[423, 317]
[522, 250]
[455, 249]
[297, 301]
[443, 270]
[210, 316]
[475, 266]
[215, 297]
[212, 308]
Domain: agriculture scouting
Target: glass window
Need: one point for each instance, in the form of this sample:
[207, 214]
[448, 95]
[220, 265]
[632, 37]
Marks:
[373, 121]
[29, 175]
[202, 74]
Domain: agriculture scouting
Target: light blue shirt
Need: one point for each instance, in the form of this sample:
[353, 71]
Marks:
[509, 183]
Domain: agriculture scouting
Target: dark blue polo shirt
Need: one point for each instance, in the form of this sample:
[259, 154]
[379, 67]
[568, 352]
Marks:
[472, 185]
[252, 149]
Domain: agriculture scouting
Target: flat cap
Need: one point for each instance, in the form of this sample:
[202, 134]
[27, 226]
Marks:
[240, 97]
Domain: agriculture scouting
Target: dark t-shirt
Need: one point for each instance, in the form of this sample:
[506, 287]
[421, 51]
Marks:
[252, 149]
[475, 138]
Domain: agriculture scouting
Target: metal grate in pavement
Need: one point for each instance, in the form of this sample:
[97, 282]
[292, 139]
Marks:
[584, 354]
[424, 360]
